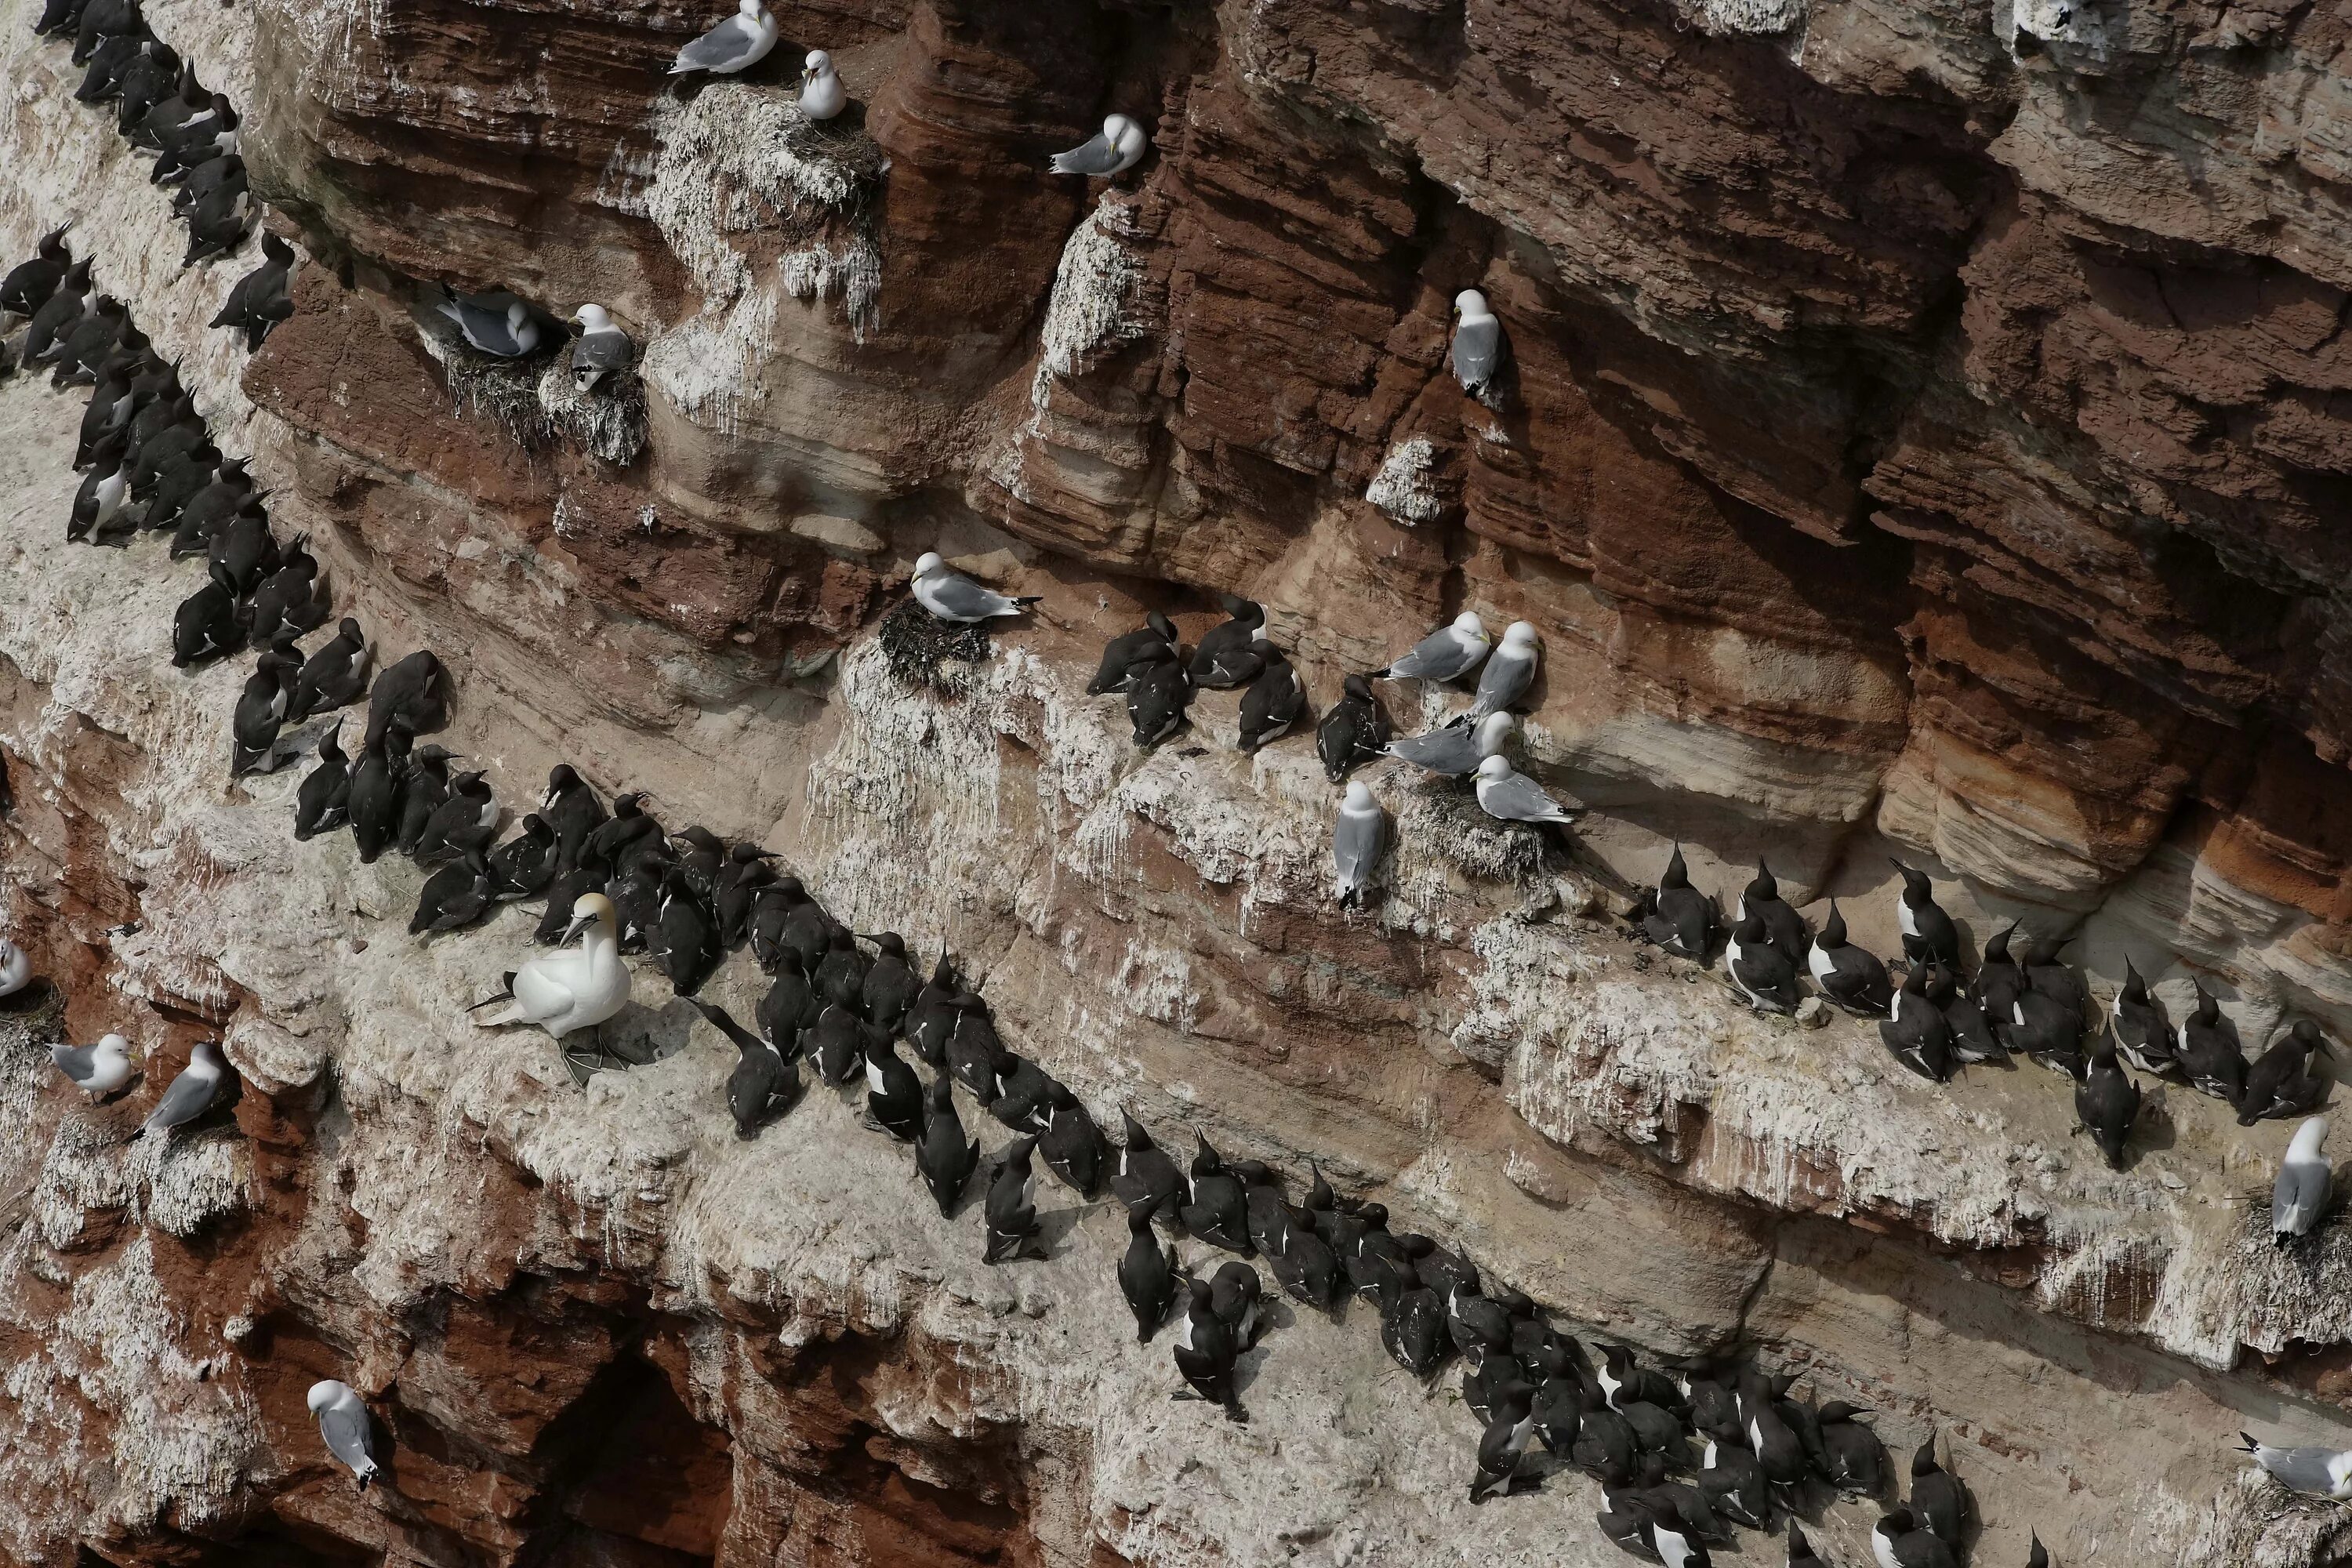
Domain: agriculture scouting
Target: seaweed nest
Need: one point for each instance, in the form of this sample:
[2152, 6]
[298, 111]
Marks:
[506, 391]
[1447, 819]
[919, 646]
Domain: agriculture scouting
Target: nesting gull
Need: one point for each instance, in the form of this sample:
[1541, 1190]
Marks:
[1446, 654]
[951, 596]
[507, 335]
[1357, 840]
[192, 1093]
[2322, 1472]
[97, 1071]
[343, 1423]
[1478, 341]
[737, 44]
[822, 94]
[1119, 147]
[2299, 1197]
[1509, 795]
[1458, 748]
[603, 349]
[1509, 671]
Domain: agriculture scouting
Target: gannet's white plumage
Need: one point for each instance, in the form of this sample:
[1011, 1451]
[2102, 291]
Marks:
[1357, 840]
[822, 94]
[953, 596]
[1510, 669]
[1510, 796]
[735, 45]
[1477, 341]
[576, 987]
[15, 968]
[343, 1423]
[97, 1071]
[1119, 148]
[1445, 654]
[2300, 1195]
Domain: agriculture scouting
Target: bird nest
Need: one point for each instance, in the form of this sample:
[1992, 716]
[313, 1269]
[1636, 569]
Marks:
[922, 651]
[1447, 820]
[504, 391]
[609, 422]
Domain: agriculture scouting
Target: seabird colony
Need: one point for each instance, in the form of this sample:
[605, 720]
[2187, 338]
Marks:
[616, 882]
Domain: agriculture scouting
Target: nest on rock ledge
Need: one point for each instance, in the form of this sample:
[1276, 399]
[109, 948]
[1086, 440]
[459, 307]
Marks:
[507, 390]
[609, 422]
[919, 648]
[1448, 820]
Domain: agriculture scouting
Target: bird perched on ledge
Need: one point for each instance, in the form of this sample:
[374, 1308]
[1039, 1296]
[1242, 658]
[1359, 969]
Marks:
[1119, 147]
[949, 595]
[574, 989]
[735, 45]
[822, 94]
[505, 334]
[603, 350]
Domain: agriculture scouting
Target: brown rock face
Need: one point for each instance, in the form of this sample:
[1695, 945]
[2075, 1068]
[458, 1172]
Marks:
[1922, 432]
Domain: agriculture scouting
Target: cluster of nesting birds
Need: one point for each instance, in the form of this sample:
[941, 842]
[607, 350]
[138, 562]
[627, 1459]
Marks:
[1150, 666]
[618, 881]
[506, 327]
[2022, 1000]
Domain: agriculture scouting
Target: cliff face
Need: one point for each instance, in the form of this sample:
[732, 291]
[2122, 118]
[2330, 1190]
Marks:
[1918, 434]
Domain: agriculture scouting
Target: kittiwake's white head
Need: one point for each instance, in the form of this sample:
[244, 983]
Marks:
[1492, 731]
[594, 319]
[1495, 768]
[818, 63]
[1519, 636]
[1468, 625]
[1470, 304]
[1116, 126]
[928, 562]
[324, 1394]
[1360, 796]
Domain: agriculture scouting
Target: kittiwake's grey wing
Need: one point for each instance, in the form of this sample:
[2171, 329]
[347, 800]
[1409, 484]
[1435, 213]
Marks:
[1453, 750]
[1520, 799]
[962, 596]
[1356, 846]
[601, 352]
[1095, 157]
[346, 1432]
[1438, 657]
[184, 1101]
[75, 1061]
[1476, 346]
[1500, 683]
[720, 49]
[486, 331]
[2305, 1470]
[2300, 1192]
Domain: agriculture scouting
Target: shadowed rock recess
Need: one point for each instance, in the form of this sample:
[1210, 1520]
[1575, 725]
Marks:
[1919, 435]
